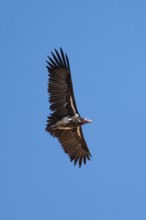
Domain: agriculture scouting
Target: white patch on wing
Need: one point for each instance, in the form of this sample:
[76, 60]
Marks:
[78, 131]
[72, 105]
[64, 128]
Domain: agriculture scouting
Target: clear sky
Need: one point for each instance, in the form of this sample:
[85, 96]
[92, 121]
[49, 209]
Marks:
[106, 45]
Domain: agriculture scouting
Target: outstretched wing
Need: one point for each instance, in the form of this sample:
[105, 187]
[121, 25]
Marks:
[74, 145]
[60, 87]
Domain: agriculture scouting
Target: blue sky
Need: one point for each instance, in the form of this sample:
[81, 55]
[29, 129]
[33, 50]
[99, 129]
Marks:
[106, 44]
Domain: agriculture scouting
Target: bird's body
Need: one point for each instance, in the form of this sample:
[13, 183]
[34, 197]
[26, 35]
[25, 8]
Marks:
[65, 122]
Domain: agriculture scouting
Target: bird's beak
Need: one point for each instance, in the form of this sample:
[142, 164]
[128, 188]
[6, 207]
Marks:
[86, 120]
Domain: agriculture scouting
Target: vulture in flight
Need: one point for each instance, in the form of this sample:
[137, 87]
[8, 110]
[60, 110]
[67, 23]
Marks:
[65, 121]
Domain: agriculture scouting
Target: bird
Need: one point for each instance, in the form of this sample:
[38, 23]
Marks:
[64, 121]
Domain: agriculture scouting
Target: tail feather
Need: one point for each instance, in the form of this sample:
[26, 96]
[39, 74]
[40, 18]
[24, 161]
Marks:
[49, 127]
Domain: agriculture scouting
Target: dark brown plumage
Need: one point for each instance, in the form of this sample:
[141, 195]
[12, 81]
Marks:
[65, 121]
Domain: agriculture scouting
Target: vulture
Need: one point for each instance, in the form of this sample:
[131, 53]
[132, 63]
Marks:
[65, 121]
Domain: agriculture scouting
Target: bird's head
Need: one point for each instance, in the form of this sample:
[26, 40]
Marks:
[85, 120]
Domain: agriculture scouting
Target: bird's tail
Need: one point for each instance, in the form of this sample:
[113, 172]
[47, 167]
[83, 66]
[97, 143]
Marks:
[51, 128]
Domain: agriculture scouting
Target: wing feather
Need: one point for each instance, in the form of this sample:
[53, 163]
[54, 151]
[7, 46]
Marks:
[60, 87]
[74, 145]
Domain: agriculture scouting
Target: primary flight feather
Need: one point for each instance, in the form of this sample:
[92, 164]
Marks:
[65, 121]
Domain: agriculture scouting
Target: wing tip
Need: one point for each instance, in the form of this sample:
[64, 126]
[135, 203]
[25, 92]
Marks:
[81, 160]
[58, 59]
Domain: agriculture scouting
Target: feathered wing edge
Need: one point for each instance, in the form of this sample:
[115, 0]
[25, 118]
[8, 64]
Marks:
[60, 77]
[73, 143]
